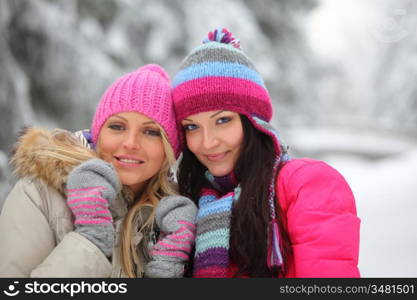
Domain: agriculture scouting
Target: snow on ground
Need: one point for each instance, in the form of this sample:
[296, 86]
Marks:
[385, 189]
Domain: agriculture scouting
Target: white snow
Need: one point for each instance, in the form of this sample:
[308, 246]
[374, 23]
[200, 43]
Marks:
[386, 195]
[385, 191]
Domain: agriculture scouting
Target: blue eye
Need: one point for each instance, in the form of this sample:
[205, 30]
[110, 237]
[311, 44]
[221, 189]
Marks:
[152, 132]
[189, 127]
[223, 120]
[116, 127]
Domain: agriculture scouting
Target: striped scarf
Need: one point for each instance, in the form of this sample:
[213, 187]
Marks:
[213, 226]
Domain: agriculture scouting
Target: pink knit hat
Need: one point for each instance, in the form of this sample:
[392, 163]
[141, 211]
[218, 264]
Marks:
[147, 91]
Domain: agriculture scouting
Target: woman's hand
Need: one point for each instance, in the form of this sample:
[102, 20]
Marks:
[91, 186]
[175, 217]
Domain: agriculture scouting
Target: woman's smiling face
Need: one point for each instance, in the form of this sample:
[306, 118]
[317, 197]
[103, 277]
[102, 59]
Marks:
[132, 143]
[215, 138]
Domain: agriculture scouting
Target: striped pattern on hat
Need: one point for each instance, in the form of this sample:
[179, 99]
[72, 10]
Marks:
[219, 76]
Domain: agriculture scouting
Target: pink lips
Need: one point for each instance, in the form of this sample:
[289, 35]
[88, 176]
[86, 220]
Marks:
[129, 161]
[216, 157]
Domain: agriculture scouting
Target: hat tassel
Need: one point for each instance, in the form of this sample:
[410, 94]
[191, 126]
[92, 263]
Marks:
[274, 251]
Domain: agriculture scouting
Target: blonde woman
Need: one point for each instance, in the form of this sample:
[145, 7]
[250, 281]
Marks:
[85, 204]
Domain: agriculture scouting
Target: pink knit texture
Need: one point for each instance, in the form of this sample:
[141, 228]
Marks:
[147, 91]
[226, 93]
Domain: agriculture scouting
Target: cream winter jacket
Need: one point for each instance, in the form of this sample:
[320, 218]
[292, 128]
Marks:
[36, 225]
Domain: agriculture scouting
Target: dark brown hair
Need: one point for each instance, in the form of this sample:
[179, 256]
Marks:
[250, 215]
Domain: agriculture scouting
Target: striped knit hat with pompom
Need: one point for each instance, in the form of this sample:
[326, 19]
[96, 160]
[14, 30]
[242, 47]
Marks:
[219, 76]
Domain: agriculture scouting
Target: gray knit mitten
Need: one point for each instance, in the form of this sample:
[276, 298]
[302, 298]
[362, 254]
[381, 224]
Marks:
[91, 186]
[175, 216]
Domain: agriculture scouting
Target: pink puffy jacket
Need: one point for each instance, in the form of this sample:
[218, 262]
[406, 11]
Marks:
[320, 216]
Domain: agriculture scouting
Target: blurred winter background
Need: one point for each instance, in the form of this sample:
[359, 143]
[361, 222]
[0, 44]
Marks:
[342, 75]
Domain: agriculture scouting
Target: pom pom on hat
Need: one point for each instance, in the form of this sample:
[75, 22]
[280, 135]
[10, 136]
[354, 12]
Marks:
[222, 35]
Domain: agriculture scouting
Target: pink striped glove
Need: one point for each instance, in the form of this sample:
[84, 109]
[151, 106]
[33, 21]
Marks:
[175, 217]
[91, 186]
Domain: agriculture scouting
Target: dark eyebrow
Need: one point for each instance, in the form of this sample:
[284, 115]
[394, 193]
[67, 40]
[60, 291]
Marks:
[215, 114]
[212, 116]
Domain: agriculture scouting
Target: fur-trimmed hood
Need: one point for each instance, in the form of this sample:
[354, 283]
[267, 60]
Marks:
[49, 155]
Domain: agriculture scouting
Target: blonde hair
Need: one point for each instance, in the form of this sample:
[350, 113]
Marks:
[156, 188]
